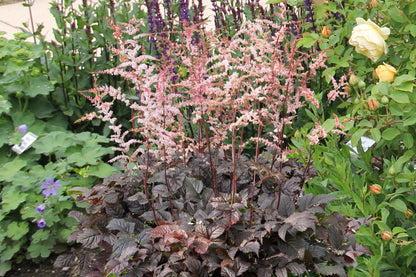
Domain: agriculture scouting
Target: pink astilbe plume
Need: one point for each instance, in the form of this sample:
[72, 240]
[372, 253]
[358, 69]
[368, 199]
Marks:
[198, 98]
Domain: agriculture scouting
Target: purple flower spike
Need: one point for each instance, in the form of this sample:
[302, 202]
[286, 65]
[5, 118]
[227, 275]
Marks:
[40, 208]
[22, 128]
[49, 187]
[41, 223]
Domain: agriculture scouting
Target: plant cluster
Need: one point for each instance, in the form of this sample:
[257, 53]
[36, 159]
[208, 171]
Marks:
[209, 189]
[34, 206]
[380, 181]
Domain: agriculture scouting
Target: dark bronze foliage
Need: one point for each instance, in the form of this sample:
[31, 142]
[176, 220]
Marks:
[213, 236]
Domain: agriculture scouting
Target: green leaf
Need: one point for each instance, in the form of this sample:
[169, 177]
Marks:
[400, 97]
[41, 249]
[390, 133]
[410, 121]
[408, 140]
[399, 205]
[40, 235]
[405, 86]
[376, 134]
[357, 136]
[102, 170]
[38, 86]
[11, 250]
[5, 267]
[308, 40]
[16, 230]
[10, 169]
[403, 78]
[54, 142]
[12, 198]
[5, 106]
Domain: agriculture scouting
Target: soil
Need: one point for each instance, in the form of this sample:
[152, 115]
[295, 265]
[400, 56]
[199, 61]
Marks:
[31, 269]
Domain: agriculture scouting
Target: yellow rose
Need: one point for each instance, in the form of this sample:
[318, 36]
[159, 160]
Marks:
[369, 39]
[385, 73]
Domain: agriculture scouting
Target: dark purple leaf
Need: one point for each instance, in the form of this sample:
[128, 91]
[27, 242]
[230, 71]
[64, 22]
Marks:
[201, 245]
[89, 238]
[119, 224]
[64, 260]
[335, 236]
[286, 207]
[79, 217]
[322, 199]
[160, 190]
[296, 269]
[241, 266]
[265, 272]
[216, 231]
[249, 247]
[282, 231]
[111, 197]
[115, 266]
[305, 201]
[140, 197]
[121, 245]
[201, 231]
[281, 272]
[227, 272]
[302, 221]
[331, 270]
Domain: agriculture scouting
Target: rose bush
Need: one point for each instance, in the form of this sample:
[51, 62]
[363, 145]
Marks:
[369, 39]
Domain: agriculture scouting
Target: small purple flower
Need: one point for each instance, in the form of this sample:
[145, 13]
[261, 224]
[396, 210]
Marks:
[41, 223]
[49, 187]
[22, 128]
[40, 208]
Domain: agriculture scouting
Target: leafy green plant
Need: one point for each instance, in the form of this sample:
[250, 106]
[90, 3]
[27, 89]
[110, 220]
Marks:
[28, 107]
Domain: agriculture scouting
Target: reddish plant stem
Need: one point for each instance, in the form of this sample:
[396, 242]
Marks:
[259, 130]
[149, 200]
[167, 185]
[213, 170]
[234, 177]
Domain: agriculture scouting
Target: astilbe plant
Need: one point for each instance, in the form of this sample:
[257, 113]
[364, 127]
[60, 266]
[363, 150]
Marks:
[194, 201]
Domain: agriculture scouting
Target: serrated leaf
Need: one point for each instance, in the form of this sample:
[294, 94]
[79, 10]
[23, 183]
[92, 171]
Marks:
[296, 269]
[201, 245]
[302, 221]
[119, 224]
[122, 244]
[89, 238]
[287, 207]
[216, 231]
[250, 247]
[331, 270]
[160, 191]
[400, 97]
[102, 170]
[12, 198]
[10, 169]
[399, 205]
[16, 230]
[390, 133]
[322, 199]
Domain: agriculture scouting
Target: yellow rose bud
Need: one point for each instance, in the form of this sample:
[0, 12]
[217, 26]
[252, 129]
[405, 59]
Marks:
[326, 32]
[385, 73]
[375, 189]
[353, 79]
[369, 39]
[373, 104]
[386, 235]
